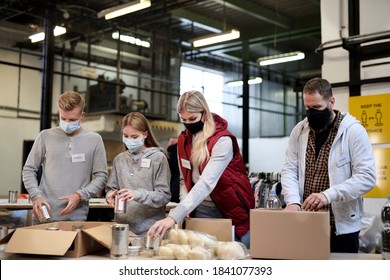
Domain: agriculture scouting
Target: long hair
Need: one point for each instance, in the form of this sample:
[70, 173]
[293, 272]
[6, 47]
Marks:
[194, 102]
[138, 121]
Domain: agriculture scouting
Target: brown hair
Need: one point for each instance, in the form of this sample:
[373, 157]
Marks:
[69, 100]
[138, 121]
[319, 85]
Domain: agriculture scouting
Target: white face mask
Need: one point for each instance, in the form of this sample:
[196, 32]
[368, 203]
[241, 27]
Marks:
[133, 144]
[69, 127]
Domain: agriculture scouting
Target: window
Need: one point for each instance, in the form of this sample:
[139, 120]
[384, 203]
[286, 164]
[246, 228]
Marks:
[209, 83]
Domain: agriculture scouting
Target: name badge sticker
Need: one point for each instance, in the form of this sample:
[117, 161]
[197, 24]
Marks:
[186, 163]
[145, 162]
[78, 158]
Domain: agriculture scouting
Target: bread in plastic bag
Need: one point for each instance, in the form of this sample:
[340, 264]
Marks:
[232, 250]
[194, 238]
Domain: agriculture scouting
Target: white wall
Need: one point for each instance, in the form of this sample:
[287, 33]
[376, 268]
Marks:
[267, 154]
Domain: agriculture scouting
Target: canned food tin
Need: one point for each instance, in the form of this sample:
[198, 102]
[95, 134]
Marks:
[120, 241]
[3, 231]
[44, 214]
[120, 205]
[52, 228]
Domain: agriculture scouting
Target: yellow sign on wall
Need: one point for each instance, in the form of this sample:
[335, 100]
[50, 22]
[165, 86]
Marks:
[373, 111]
[382, 162]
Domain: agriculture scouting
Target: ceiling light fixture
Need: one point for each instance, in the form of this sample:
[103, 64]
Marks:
[280, 58]
[58, 30]
[130, 40]
[124, 9]
[251, 81]
[216, 38]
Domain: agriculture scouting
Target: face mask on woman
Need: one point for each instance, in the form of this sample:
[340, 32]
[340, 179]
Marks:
[133, 144]
[69, 127]
[194, 128]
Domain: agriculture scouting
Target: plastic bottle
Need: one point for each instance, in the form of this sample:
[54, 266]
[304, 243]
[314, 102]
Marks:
[385, 216]
[273, 201]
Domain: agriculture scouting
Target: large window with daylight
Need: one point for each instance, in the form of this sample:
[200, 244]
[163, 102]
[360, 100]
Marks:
[209, 83]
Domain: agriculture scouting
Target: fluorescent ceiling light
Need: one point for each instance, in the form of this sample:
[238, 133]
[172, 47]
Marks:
[280, 58]
[251, 81]
[124, 9]
[130, 40]
[58, 30]
[216, 38]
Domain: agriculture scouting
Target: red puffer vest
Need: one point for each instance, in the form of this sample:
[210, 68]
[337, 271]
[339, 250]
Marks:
[233, 193]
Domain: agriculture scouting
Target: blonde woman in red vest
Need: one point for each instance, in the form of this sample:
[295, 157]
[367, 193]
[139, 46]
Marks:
[214, 183]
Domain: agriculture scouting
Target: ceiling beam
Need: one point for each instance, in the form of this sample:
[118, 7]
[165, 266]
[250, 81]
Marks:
[256, 11]
[203, 22]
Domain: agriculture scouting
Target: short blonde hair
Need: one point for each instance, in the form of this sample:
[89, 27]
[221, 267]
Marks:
[69, 100]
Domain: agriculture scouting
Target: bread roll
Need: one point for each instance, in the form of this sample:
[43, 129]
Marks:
[166, 252]
[180, 251]
[173, 236]
[230, 251]
[194, 239]
[183, 237]
[199, 253]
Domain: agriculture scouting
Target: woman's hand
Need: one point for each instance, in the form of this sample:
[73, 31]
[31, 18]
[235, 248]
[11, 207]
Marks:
[160, 227]
[110, 198]
[126, 194]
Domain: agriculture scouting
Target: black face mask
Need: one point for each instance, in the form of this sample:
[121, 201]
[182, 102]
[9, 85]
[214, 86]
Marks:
[318, 119]
[194, 128]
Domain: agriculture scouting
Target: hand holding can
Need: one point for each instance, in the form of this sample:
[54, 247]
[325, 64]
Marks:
[120, 205]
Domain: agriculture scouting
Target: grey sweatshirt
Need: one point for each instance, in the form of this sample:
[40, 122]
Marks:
[148, 174]
[70, 164]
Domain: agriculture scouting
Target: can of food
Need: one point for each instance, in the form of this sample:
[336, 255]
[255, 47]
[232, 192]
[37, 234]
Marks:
[12, 196]
[136, 241]
[3, 231]
[151, 243]
[120, 241]
[53, 228]
[133, 250]
[44, 214]
[120, 205]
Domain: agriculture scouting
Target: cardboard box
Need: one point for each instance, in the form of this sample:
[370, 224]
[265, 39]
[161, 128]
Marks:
[300, 235]
[220, 228]
[63, 242]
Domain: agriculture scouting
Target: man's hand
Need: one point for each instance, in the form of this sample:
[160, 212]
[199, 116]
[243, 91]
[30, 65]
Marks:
[73, 200]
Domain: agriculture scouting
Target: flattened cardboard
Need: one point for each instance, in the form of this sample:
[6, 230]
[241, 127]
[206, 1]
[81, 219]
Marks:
[220, 228]
[300, 235]
[64, 242]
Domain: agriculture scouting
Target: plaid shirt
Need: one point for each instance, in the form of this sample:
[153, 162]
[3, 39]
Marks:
[317, 178]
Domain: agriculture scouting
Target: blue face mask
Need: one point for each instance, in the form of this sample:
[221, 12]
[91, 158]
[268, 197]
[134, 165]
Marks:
[69, 127]
[133, 144]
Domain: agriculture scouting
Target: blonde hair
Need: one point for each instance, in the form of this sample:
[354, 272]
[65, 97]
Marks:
[69, 100]
[194, 102]
[138, 121]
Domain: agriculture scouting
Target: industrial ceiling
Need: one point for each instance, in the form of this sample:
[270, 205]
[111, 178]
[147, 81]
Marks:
[267, 27]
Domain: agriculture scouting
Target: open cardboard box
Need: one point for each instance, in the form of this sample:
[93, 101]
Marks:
[39, 240]
[278, 234]
[220, 228]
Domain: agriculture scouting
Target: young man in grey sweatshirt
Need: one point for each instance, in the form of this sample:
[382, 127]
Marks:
[73, 161]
